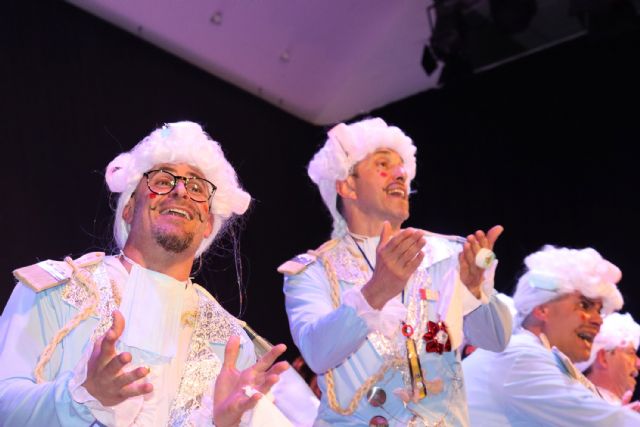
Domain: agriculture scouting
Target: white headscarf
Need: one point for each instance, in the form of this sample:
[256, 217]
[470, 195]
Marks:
[347, 145]
[553, 272]
[182, 142]
[617, 330]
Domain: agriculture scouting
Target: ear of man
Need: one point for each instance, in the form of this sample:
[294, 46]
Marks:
[127, 211]
[541, 312]
[209, 225]
[537, 318]
[346, 188]
[601, 358]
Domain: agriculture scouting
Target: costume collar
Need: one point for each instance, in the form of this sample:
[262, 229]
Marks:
[152, 305]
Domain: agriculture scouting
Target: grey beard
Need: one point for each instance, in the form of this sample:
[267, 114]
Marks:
[173, 242]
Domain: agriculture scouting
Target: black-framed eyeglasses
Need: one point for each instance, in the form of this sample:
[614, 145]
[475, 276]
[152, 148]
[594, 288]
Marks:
[163, 182]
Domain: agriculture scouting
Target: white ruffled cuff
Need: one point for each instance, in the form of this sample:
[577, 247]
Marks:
[105, 414]
[470, 302]
[264, 414]
[386, 320]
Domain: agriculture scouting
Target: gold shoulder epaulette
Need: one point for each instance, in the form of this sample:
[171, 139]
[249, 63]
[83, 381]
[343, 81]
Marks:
[49, 274]
[299, 263]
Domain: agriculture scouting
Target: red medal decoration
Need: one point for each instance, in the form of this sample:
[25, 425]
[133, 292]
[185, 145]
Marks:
[407, 330]
[437, 338]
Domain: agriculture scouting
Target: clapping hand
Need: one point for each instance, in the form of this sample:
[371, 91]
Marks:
[397, 258]
[106, 379]
[239, 391]
[470, 273]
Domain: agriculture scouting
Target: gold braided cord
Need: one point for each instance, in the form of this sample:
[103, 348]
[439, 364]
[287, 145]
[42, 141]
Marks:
[331, 387]
[333, 280]
[360, 392]
[83, 277]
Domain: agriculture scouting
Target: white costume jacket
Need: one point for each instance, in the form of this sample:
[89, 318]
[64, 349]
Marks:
[347, 342]
[177, 329]
[530, 384]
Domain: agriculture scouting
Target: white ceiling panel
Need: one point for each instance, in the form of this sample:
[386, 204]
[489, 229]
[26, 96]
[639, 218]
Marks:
[323, 61]
[328, 61]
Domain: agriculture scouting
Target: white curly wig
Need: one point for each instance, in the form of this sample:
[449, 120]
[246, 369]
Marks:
[552, 272]
[345, 146]
[181, 142]
[617, 330]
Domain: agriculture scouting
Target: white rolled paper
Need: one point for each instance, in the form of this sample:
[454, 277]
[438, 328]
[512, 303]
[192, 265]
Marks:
[249, 391]
[485, 258]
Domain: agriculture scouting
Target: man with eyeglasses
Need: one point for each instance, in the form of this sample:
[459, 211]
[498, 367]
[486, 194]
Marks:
[379, 311]
[614, 363]
[560, 301]
[129, 339]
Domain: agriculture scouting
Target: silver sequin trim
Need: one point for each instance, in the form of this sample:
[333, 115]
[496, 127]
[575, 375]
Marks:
[350, 266]
[213, 324]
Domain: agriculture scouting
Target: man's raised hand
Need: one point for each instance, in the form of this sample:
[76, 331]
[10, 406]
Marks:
[107, 380]
[470, 273]
[239, 391]
[397, 258]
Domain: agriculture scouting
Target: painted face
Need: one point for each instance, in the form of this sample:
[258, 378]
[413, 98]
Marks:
[381, 189]
[623, 364]
[173, 220]
[572, 322]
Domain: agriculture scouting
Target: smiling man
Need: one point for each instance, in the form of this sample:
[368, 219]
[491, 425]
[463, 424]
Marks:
[379, 311]
[560, 301]
[613, 365]
[129, 339]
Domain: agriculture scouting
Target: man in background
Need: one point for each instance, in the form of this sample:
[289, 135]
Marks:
[560, 301]
[613, 365]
